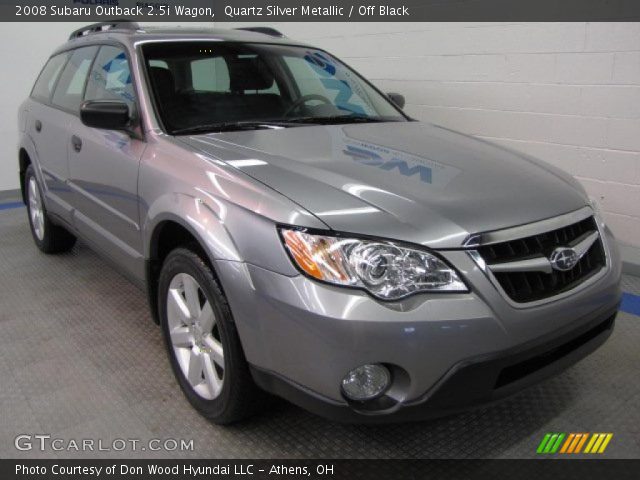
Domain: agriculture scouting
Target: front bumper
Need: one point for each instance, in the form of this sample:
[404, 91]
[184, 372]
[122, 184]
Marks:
[468, 384]
[447, 351]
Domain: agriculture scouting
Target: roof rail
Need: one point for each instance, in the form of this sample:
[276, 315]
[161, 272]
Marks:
[103, 27]
[266, 30]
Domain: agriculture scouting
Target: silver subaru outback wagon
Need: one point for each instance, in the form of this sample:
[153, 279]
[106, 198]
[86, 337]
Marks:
[299, 235]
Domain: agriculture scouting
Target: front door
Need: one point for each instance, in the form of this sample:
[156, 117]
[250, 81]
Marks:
[103, 168]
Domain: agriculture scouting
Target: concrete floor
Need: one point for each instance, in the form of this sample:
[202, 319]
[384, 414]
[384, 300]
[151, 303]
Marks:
[81, 358]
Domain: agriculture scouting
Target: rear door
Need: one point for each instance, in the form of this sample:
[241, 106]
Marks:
[64, 106]
[103, 167]
[46, 126]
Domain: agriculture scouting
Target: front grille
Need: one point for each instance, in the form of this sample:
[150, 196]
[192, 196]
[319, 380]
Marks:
[525, 287]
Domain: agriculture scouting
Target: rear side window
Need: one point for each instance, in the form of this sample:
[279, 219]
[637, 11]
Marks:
[110, 77]
[70, 88]
[43, 88]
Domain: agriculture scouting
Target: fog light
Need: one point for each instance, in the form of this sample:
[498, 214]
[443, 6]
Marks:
[366, 382]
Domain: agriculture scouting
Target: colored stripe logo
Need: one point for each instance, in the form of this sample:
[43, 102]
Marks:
[574, 443]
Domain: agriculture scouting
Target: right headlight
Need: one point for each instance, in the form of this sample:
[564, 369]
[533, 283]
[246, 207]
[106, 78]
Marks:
[384, 269]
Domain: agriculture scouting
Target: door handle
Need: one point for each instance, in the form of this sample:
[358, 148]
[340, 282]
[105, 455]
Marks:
[38, 126]
[77, 143]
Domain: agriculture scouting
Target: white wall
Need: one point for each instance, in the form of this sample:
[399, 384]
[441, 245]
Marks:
[567, 93]
[24, 47]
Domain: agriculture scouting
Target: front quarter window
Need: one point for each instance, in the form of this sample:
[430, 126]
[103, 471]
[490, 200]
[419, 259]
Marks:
[110, 77]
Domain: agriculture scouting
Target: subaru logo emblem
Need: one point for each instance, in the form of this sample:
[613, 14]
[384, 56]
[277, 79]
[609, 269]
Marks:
[564, 259]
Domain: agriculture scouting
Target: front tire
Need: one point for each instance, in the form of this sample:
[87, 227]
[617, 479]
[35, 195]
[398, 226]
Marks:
[201, 340]
[48, 237]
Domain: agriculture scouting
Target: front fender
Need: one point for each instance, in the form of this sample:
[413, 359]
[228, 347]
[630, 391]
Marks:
[227, 231]
[197, 217]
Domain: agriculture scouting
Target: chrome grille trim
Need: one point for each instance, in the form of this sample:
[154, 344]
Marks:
[527, 230]
[542, 263]
[538, 228]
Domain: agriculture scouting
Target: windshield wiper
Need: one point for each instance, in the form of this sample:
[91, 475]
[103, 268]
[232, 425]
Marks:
[339, 119]
[230, 126]
[284, 123]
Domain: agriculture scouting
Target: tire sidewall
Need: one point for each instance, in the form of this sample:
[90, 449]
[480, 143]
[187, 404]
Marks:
[186, 261]
[30, 172]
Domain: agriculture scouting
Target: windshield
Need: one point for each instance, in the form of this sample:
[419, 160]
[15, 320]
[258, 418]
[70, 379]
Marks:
[215, 86]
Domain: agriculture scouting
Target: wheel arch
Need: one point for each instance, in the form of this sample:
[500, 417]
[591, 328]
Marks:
[28, 155]
[24, 160]
[169, 232]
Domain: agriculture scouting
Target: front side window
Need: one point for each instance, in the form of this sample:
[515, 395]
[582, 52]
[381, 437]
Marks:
[43, 88]
[110, 77]
[200, 86]
[70, 87]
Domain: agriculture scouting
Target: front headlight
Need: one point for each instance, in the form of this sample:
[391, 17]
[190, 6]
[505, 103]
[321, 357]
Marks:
[384, 269]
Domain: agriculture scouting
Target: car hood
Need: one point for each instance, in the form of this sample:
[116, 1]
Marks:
[410, 181]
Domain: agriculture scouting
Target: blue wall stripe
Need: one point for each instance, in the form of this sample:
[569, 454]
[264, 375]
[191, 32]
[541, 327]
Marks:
[630, 304]
[9, 206]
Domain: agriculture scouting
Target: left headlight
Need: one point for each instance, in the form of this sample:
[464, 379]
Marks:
[386, 270]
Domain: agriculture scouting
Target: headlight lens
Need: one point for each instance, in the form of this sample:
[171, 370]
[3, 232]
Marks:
[384, 269]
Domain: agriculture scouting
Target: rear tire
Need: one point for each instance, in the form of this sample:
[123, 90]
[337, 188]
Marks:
[48, 237]
[202, 341]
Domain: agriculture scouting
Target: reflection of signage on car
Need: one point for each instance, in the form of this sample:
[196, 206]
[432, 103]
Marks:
[427, 171]
[115, 139]
[114, 78]
[323, 65]
[367, 157]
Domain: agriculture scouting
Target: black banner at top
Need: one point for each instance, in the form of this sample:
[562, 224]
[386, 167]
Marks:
[266, 11]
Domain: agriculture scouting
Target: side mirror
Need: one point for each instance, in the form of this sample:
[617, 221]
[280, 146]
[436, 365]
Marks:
[396, 98]
[108, 115]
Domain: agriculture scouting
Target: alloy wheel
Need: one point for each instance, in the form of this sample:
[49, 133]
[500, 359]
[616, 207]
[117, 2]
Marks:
[195, 336]
[35, 209]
